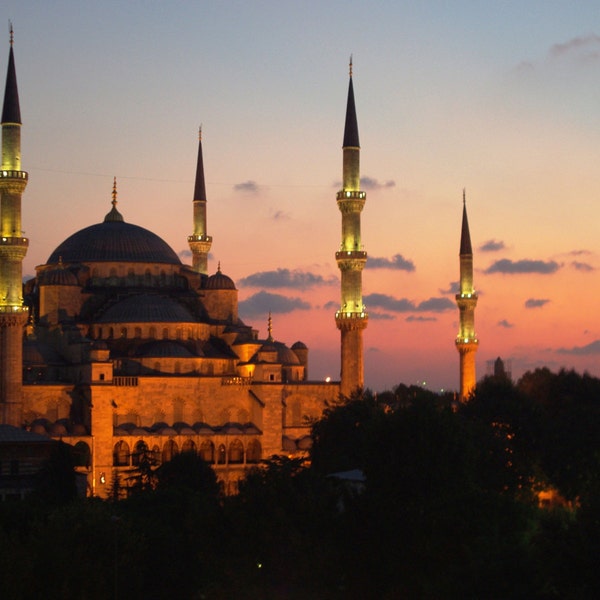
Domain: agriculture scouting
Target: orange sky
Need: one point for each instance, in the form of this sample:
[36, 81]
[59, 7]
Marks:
[501, 100]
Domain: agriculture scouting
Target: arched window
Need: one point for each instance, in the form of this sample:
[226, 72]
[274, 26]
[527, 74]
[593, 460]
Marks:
[111, 333]
[207, 451]
[152, 333]
[236, 452]
[124, 332]
[222, 455]
[253, 452]
[188, 446]
[81, 454]
[121, 454]
[165, 333]
[170, 449]
[138, 332]
[139, 450]
[156, 454]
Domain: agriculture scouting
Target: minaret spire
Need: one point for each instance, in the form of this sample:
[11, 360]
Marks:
[466, 300]
[199, 241]
[13, 248]
[352, 317]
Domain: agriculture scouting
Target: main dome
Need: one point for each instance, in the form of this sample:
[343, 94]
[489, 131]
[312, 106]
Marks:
[114, 241]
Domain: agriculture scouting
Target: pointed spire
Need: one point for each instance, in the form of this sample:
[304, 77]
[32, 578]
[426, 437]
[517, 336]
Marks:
[465, 236]
[351, 128]
[114, 215]
[11, 113]
[199, 187]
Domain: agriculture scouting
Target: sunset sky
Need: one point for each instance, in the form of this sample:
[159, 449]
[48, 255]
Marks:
[500, 98]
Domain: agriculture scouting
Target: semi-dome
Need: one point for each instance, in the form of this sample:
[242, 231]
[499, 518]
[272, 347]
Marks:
[114, 241]
[147, 308]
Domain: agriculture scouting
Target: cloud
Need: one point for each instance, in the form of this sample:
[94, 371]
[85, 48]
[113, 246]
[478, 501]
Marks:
[581, 266]
[397, 262]
[580, 253]
[184, 254]
[508, 266]
[536, 302]
[404, 305]
[419, 319]
[262, 302]
[369, 183]
[280, 215]
[492, 246]
[331, 305]
[583, 49]
[284, 278]
[246, 186]
[453, 288]
[377, 316]
[504, 323]
[592, 348]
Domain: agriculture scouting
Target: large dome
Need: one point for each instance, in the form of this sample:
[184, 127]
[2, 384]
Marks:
[114, 241]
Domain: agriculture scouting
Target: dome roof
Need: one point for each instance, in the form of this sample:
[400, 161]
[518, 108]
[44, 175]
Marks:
[219, 281]
[58, 276]
[299, 346]
[147, 308]
[164, 348]
[114, 241]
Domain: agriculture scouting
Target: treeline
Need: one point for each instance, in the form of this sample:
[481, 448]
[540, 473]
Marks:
[407, 495]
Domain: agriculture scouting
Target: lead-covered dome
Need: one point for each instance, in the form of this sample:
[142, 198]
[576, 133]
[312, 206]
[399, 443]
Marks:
[114, 240]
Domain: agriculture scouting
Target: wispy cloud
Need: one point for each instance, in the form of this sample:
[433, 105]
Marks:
[492, 246]
[370, 183]
[504, 323]
[262, 302]
[280, 215]
[510, 267]
[582, 49]
[419, 319]
[377, 316]
[592, 348]
[247, 186]
[397, 262]
[536, 302]
[581, 266]
[285, 278]
[404, 305]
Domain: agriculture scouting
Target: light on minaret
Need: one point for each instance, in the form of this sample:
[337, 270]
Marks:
[200, 242]
[13, 247]
[466, 300]
[352, 317]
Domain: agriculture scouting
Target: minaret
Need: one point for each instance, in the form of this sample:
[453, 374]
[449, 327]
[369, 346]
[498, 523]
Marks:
[199, 241]
[13, 247]
[352, 318]
[466, 340]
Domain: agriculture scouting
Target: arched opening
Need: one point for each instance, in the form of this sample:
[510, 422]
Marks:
[139, 451]
[236, 452]
[121, 454]
[188, 446]
[207, 451]
[253, 452]
[221, 455]
[170, 449]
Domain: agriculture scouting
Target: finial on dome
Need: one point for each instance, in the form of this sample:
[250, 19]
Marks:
[219, 267]
[270, 328]
[200, 132]
[114, 214]
[351, 65]
[464, 196]
[11, 32]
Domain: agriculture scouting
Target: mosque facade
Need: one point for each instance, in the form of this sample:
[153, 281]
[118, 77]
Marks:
[122, 351]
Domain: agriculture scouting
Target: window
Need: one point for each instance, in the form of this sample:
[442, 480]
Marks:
[170, 449]
[221, 457]
[236, 452]
[253, 452]
[139, 451]
[121, 454]
[207, 451]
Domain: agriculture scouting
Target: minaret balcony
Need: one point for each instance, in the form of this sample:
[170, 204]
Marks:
[200, 238]
[351, 195]
[351, 255]
[10, 174]
[466, 341]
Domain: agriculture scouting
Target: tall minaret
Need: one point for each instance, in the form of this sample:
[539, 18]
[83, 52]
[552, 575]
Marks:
[352, 318]
[466, 340]
[13, 247]
[199, 241]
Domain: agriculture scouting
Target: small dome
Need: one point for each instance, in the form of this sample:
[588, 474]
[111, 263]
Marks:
[58, 276]
[219, 281]
[299, 346]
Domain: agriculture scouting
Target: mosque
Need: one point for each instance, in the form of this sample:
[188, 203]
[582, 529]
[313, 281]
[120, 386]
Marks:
[122, 351]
